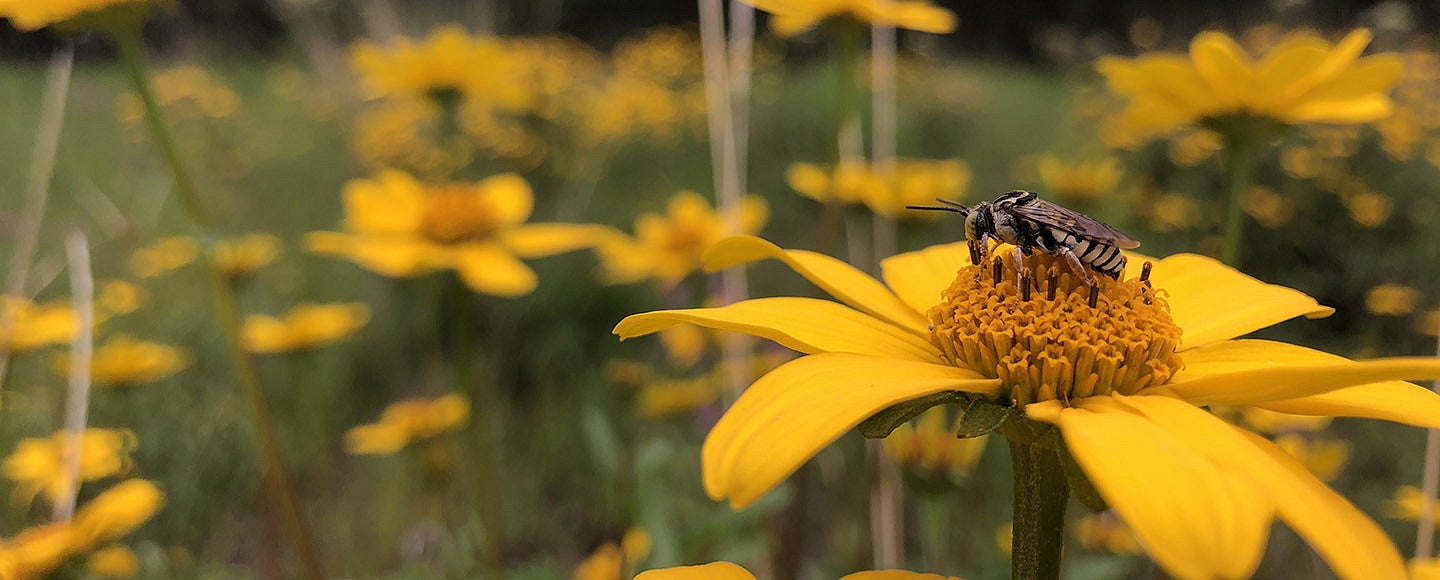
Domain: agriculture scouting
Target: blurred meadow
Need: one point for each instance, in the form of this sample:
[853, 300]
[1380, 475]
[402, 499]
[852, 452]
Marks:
[370, 334]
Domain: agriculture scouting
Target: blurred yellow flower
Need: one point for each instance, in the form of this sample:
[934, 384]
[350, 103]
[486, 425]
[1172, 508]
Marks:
[1300, 162]
[930, 449]
[398, 226]
[792, 17]
[1145, 437]
[163, 257]
[1391, 300]
[1406, 505]
[1370, 209]
[1191, 148]
[35, 552]
[115, 513]
[615, 561]
[1106, 532]
[36, 14]
[245, 255]
[408, 422]
[304, 327]
[1428, 323]
[916, 181]
[685, 345]
[32, 325]
[1079, 182]
[115, 561]
[38, 465]
[1171, 212]
[186, 91]
[1304, 79]
[1323, 457]
[1269, 209]
[729, 571]
[668, 247]
[448, 64]
[119, 297]
[1271, 422]
[123, 361]
[669, 397]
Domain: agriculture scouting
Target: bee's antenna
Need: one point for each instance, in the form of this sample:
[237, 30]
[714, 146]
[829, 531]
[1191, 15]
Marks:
[950, 207]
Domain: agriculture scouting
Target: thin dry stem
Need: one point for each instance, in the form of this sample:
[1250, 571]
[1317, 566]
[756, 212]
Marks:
[77, 400]
[1429, 484]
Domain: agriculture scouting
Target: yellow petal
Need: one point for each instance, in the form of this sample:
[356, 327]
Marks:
[1212, 302]
[1247, 372]
[921, 16]
[1348, 540]
[919, 277]
[1391, 400]
[711, 571]
[841, 280]
[793, 412]
[1343, 55]
[1197, 519]
[808, 325]
[1371, 76]
[389, 204]
[809, 180]
[753, 214]
[490, 269]
[894, 575]
[395, 257]
[1288, 63]
[540, 240]
[787, 25]
[1360, 110]
[509, 195]
[1224, 66]
[1170, 79]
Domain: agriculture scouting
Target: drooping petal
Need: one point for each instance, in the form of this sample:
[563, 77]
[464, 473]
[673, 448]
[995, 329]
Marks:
[1196, 518]
[1249, 372]
[1397, 401]
[490, 269]
[711, 571]
[1225, 67]
[509, 195]
[919, 277]
[1212, 302]
[1348, 540]
[808, 325]
[541, 240]
[793, 412]
[841, 280]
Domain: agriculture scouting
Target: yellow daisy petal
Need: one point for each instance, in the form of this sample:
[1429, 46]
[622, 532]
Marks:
[1286, 64]
[1165, 490]
[921, 16]
[1212, 302]
[1391, 400]
[787, 25]
[1361, 110]
[398, 257]
[509, 195]
[541, 240]
[1224, 65]
[1342, 56]
[807, 325]
[919, 277]
[841, 280]
[390, 204]
[711, 571]
[819, 397]
[1246, 372]
[490, 269]
[1372, 75]
[1348, 540]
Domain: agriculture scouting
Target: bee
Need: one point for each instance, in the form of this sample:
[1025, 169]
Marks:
[1022, 219]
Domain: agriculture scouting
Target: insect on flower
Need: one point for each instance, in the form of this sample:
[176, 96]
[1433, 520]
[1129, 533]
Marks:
[1022, 219]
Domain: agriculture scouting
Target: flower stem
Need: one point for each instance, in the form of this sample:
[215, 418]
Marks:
[1240, 157]
[464, 316]
[127, 39]
[1041, 494]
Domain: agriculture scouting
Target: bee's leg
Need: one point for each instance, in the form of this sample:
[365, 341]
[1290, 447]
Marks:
[1019, 260]
[975, 253]
[1084, 273]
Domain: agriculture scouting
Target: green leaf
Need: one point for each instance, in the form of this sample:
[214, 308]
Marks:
[879, 425]
[980, 417]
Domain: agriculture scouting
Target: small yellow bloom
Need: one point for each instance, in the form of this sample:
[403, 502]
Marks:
[729, 571]
[115, 513]
[1191, 148]
[32, 325]
[915, 181]
[35, 552]
[668, 247]
[408, 422]
[36, 14]
[163, 257]
[1304, 79]
[792, 17]
[1323, 457]
[1079, 182]
[123, 361]
[1391, 300]
[670, 397]
[1407, 504]
[615, 561]
[1428, 323]
[685, 345]
[398, 226]
[930, 448]
[1105, 532]
[449, 63]
[1269, 209]
[117, 297]
[245, 255]
[1171, 212]
[1369, 209]
[115, 561]
[38, 465]
[304, 327]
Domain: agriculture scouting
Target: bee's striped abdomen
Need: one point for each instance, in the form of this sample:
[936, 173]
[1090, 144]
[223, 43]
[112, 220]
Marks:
[1103, 258]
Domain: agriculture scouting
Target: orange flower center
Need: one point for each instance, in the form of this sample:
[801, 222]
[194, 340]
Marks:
[1039, 333]
[454, 214]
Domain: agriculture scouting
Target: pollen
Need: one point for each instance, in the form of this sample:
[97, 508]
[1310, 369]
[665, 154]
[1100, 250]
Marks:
[456, 213]
[1047, 334]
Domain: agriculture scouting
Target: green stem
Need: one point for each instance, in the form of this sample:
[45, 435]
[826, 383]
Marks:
[1041, 494]
[227, 307]
[845, 38]
[1240, 157]
[464, 349]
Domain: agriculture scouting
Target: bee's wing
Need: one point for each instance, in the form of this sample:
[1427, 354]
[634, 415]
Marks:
[1074, 222]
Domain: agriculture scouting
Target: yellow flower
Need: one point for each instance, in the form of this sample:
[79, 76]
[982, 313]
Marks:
[408, 422]
[666, 398]
[398, 226]
[1199, 493]
[1391, 300]
[120, 297]
[32, 325]
[163, 257]
[1172, 212]
[449, 63]
[1305, 79]
[1079, 182]
[1191, 148]
[304, 327]
[729, 571]
[1428, 323]
[1369, 209]
[930, 448]
[38, 465]
[1407, 503]
[245, 255]
[123, 361]
[615, 561]
[34, 552]
[114, 561]
[1323, 457]
[668, 247]
[33, 14]
[115, 513]
[1104, 532]
[916, 181]
[1268, 208]
[792, 17]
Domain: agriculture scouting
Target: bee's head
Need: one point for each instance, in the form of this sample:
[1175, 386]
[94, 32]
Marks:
[978, 221]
